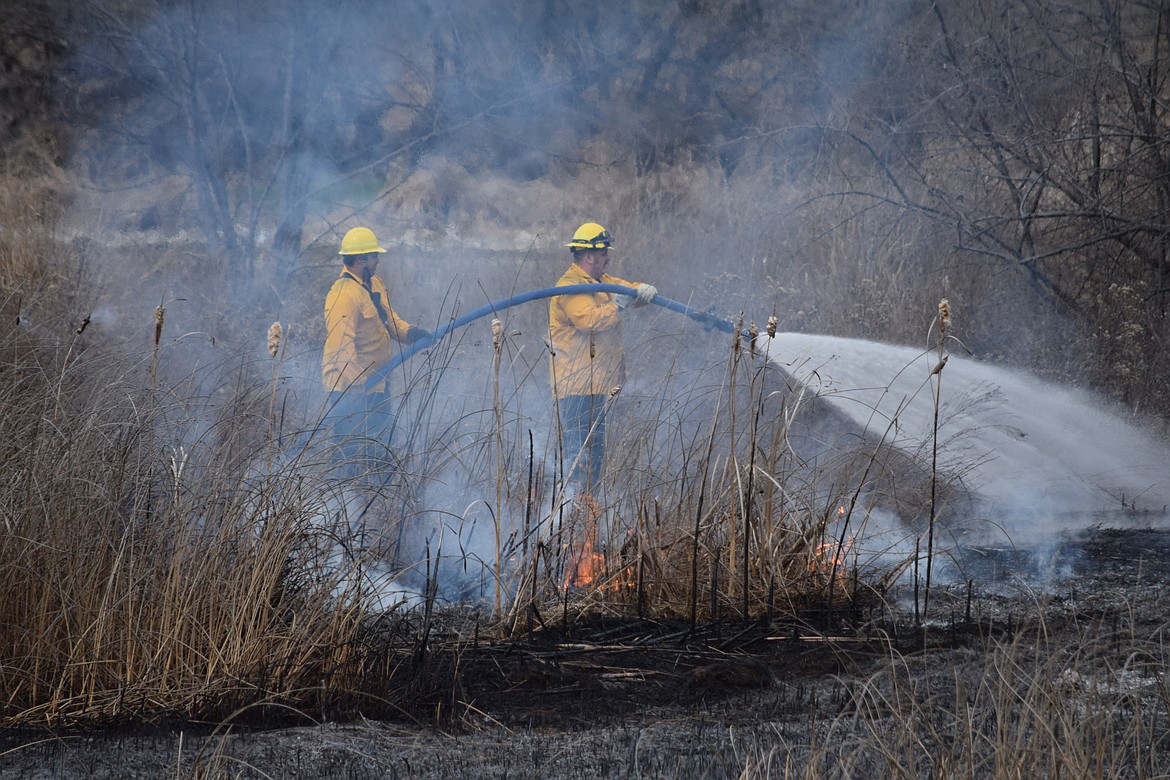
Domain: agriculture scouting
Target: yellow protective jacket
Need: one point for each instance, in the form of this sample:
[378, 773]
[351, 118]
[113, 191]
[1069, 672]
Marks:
[357, 344]
[586, 335]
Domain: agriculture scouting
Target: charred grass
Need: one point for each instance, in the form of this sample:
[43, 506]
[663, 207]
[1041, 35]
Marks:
[1067, 683]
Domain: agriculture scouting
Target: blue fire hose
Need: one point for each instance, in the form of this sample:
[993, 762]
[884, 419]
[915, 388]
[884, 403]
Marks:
[707, 318]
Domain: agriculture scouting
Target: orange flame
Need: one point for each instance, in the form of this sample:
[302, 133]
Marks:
[586, 564]
[829, 561]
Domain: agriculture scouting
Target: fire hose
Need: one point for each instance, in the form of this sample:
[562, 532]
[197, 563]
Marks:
[708, 318]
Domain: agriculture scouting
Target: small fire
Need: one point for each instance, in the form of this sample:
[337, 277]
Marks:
[585, 567]
[829, 561]
[586, 563]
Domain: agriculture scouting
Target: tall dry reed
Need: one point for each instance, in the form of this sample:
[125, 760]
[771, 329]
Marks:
[143, 572]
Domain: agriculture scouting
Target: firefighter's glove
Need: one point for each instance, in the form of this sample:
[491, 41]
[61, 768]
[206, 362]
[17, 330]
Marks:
[646, 293]
[417, 334]
[623, 301]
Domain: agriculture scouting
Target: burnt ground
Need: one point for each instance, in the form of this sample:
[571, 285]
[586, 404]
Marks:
[596, 697]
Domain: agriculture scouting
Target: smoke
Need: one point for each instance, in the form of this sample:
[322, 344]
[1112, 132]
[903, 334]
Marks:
[257, 134]
[225, 147]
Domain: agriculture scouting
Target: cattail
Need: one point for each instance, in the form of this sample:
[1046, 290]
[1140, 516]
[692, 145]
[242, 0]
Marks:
[497, 330]
[772, 323]
[274, 338]
[160, 314]
[738, 331]
[944, 316]
[754, 332]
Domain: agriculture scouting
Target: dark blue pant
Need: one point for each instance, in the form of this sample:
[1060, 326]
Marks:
[580, 413]
[362, 426]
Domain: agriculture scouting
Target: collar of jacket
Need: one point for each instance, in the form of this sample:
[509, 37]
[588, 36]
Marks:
[579, 271]
[348, 274]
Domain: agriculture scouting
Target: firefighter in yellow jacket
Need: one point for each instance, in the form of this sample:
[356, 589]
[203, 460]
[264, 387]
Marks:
[360, 328]
[588, 362]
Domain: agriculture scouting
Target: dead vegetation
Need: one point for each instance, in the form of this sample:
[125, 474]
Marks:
[1067, 683]
[179, 549]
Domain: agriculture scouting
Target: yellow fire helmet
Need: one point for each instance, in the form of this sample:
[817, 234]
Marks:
[360, 241]
[591, 236]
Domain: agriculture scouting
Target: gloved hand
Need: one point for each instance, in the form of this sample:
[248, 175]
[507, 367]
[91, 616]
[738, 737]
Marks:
[623, 301]
[646, 293]
[417, 334]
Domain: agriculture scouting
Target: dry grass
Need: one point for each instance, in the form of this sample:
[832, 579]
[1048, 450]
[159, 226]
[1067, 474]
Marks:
[160, 556]
[1040, 704]
[145, 573]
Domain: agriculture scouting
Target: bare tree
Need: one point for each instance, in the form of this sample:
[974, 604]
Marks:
[1035, 134]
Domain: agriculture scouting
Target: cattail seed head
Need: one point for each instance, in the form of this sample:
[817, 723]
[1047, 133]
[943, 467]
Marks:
[497, 329]
[160, 314]
[754, 332]
[772, 324]
[944, 316]
[274, 333]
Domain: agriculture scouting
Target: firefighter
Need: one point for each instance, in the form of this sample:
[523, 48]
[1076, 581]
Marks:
[588, 362]
[360, 327]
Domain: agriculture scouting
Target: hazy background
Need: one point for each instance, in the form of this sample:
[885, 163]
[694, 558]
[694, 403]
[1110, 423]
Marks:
[842, 165]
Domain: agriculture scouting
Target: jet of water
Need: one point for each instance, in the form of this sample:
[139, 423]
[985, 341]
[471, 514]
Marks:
[1042, 458]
